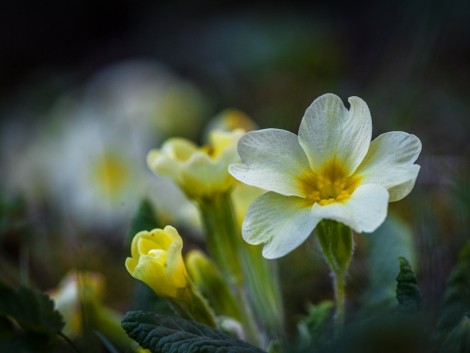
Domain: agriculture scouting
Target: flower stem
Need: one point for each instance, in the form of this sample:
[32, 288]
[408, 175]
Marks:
[244, 264]
[338, 247]
[224, 243]
[222, 240]
[340, 297]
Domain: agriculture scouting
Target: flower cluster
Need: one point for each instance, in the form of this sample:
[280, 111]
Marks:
[330, 177]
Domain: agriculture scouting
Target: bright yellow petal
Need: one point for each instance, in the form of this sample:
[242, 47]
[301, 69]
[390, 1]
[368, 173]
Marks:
[131, 263]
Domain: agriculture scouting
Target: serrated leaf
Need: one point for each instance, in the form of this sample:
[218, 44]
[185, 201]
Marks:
[408, 293]
[144, 219]
[32, 310]
[164, 334]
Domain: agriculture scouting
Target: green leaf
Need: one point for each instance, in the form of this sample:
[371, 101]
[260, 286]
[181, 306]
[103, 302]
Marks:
[13, 215]
[458, 340]
[313, 329]
[390, 241]
[27, 342]
[408, 293]
[457, 294]
[144, 219]
[32, 310]
[164, 334]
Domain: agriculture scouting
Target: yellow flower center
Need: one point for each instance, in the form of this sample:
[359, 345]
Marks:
[329, 185]
[111, 174]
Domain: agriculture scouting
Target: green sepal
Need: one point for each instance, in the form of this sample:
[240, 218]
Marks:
[337, 244]
[212, 285]
[338, 247]
[407, 292]
[164, 334]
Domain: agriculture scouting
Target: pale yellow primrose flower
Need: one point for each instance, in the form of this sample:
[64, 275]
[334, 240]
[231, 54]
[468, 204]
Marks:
[331, 170]
[156, 260]
[199, 171]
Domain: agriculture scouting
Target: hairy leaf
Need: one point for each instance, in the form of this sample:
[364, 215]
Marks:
[408, 293]
[164, 334]
[32, 310]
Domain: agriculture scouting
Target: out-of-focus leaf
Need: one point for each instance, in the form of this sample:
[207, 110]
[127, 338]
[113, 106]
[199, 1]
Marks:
[313, 329]
[6, 328]
[392, 240]
[163, 334]
[12, 215]
[104, 340]
[390, 333]
[144, 219]
[458, 340]
[26, 342]
[408, 293]
[31, 309]
[457, 294]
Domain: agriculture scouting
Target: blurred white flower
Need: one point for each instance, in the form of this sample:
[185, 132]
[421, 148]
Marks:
[87, 156]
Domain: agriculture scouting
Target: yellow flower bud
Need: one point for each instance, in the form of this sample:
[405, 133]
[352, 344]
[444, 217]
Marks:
[200, 172]
[156, 260]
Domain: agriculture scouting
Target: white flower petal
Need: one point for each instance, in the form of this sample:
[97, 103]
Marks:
[328, 130]
[389, 163]
[364, 211]
[280, 221]
[272, 159]
[400, 191]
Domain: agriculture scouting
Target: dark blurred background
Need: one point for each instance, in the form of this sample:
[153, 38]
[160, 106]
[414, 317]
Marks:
[409, 60]
[406, 58]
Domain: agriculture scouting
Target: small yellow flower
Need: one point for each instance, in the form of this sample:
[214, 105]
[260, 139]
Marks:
[331, 170]
[230, 120]
[199, 171]
[156, 260]
[74, 289]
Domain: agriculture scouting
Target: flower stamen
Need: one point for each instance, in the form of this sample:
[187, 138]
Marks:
[329, 185]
